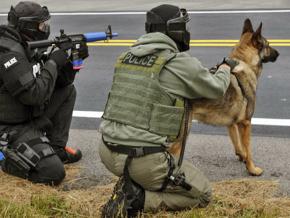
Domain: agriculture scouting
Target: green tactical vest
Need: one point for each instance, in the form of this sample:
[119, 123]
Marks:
[137, 99]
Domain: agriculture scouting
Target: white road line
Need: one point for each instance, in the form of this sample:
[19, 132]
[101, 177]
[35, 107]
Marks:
[143, 12]
[88, 114]
[255, 121]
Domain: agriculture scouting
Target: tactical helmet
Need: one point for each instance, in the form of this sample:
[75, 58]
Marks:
[30, 20]
[170, 20]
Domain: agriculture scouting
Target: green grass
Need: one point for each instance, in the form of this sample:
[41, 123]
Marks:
[246, 198]
[39, 206]
[51, 206]
[14, 210]
[220, 209]
[42, 206]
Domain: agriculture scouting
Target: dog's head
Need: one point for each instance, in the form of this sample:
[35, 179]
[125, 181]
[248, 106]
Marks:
[257, 41]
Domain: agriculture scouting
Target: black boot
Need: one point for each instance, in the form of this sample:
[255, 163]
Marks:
[73, 155]
[127, 200]
[67, 154]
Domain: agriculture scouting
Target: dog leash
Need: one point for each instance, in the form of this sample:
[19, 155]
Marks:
[185, 132]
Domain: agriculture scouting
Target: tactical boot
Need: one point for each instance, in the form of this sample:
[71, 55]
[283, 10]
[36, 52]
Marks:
[127, 200]
[115, 206]
[72, 155]
[135, 199]
[67, 154]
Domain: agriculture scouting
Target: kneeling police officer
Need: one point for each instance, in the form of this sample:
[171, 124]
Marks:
[37, 98]
[145, 114]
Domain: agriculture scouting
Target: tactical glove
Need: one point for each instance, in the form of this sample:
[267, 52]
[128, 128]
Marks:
[213, 70]
[230, 62]
[83, 51]
[66, 75]
[59, 57]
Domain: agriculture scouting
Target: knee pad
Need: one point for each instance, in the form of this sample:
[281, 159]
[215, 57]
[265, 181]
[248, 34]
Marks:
[49, 171]
[34, 160]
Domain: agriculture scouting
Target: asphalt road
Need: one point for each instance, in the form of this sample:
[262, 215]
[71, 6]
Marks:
[95, 79]
[208, 147]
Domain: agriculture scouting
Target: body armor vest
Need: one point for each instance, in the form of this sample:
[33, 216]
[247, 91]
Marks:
[12, 111]
[137, 99]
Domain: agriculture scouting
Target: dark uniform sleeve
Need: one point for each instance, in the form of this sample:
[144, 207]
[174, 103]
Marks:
[186, 77]
[18, 78]
[66, 75]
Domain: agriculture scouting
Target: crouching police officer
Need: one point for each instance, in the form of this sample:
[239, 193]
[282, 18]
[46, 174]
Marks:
[146, 113]
[37, 97]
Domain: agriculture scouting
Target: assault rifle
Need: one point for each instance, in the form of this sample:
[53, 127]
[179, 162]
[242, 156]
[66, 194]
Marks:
[72, 43]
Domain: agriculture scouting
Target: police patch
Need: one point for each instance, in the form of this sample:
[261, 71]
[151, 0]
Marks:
[10, 62]
[144, 61]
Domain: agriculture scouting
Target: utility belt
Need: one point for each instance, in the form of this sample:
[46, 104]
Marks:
[177, 179]
[23, 156]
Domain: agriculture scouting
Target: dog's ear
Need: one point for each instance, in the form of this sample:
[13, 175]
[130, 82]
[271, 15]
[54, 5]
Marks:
[257, 37]
[248, 28]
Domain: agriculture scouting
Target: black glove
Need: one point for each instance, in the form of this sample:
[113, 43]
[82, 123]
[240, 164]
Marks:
[59, 57]
[230, 62]
[213, 70]
[83, 50]
[66, 76]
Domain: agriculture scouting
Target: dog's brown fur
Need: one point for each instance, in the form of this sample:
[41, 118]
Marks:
[236, 108]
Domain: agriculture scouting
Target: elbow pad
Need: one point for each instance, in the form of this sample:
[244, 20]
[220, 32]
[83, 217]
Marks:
[15, 72]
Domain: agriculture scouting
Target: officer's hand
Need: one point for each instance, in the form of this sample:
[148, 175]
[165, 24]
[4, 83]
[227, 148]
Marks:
[59, 57]
[213, 70]
[83, 51]
[230, 62]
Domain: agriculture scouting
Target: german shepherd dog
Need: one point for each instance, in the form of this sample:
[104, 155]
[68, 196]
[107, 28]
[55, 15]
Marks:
[237, 106]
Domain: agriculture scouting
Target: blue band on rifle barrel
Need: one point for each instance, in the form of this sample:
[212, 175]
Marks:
[97, 36]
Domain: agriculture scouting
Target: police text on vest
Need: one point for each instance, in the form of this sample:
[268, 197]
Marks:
[10, 62]
[144, 61]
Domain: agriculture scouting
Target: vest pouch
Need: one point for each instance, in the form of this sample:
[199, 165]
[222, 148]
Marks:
[127, 110]
[164, 120]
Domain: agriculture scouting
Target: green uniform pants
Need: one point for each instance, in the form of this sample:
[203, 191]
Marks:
[150, 171]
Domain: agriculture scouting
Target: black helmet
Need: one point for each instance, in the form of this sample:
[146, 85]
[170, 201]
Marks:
[170, 20]
[30, 20]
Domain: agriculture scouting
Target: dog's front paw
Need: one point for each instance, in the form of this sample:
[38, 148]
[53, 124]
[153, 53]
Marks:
[255, 171]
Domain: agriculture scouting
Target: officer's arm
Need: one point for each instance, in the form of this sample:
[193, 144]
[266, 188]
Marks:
[17, 76]
[185, 76]
[66, 75]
